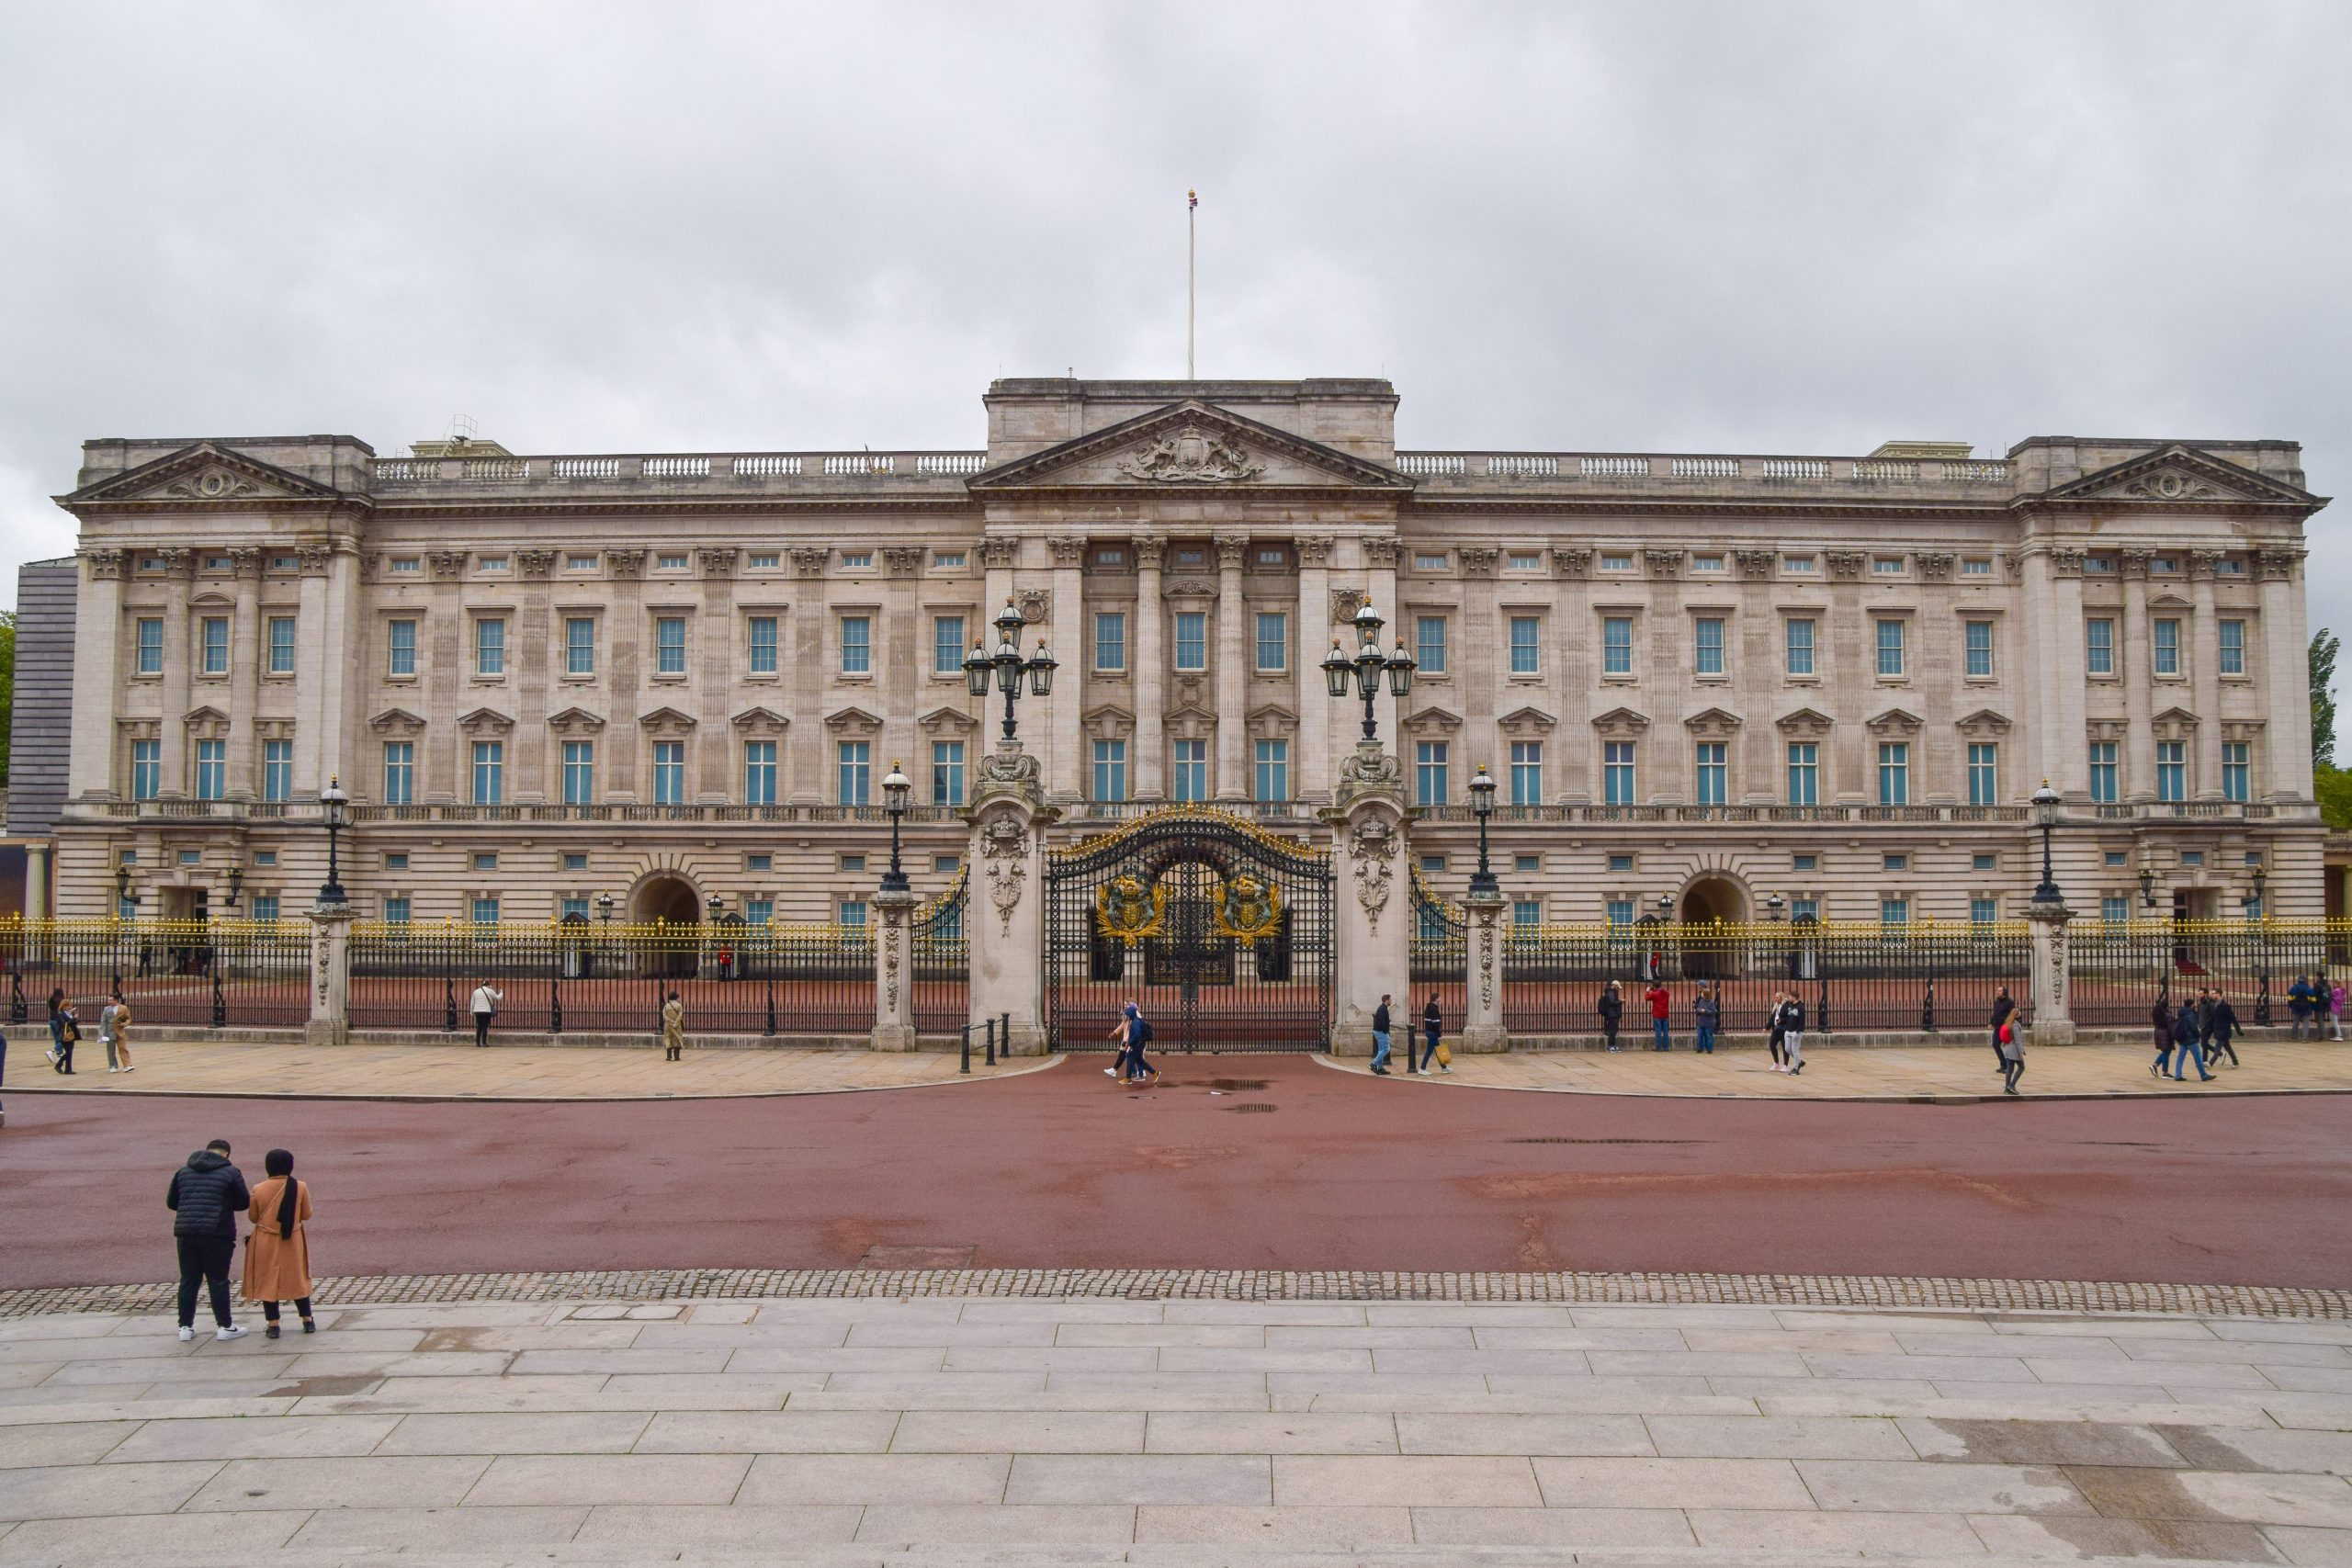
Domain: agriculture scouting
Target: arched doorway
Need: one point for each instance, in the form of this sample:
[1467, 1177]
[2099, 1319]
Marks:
[667, 901]
[1710, 901]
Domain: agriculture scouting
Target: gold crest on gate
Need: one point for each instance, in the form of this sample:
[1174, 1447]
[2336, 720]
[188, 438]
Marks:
[1124, 910]
[1248, 909]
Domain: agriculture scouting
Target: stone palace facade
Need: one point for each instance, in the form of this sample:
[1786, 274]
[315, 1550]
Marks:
[1700, 680]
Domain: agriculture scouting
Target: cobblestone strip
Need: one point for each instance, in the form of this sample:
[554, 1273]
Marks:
[1256, 1285]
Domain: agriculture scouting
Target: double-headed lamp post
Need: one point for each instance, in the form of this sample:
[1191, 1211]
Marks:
[1482, 805]
[896, 788]
[335, 807]
[1367, 664]
[1009, 666]
[2045, 816]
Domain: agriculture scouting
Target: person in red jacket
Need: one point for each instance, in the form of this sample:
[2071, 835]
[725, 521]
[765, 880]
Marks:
[1660, 1002]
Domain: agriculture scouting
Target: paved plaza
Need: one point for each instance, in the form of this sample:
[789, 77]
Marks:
[1191, 1431]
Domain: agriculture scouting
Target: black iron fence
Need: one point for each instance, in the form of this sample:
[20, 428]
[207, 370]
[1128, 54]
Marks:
[1438, 960]
[201, 974]
[2120, 974]
[942, 956]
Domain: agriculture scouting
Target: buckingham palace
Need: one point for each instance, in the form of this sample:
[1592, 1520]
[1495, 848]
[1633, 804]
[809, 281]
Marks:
[674, 683]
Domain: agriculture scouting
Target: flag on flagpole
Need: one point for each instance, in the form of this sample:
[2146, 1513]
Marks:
[1192, 199]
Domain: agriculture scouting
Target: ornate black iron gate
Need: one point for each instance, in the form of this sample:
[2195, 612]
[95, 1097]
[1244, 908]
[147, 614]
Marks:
[1220, 931]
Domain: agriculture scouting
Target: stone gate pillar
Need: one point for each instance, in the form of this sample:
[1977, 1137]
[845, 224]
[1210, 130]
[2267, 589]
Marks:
[2052, 1024]
[329, 976]
[1374, 898]
[894, 971]
[1483, 1025]
[1005, 912]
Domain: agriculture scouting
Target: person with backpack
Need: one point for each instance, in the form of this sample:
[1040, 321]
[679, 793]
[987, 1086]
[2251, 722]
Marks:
[1139, 1036]
[1611, 1009]
[1707, 1014]
[68, 1025]
[205, 1196]
[2185, 1032]
[2299, 999]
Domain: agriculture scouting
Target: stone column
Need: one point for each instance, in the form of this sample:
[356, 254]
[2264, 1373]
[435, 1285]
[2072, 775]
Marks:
[98, 681]
[2072, 767]
[1308, 650]
[2206, 676]
[1148, 669]
[1064, 746]
[2139, 682]
[894, 1013]
[807, 773]
[178, 648]
[2286, 677]
[1232, 661]
[36, 899]
[1483, 1029]
[329, 976]
[1374, 893]
[245, 654]
[2052, 1025]
[1005, 919]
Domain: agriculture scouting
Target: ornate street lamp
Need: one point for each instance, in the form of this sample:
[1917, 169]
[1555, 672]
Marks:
[334, 808]
[1482, 805]
[605, 902]
[1773, 907]
[1368, 665]
[2261, 904]
[2045, 816]
[2147, 888]
[121, 888]
[1009, 666]
[236, 881]
[714, 903]
[896, 788]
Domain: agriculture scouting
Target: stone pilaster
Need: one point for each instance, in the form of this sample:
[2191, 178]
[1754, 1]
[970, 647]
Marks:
[98, 677]
[1232, 661]
[1148, 667]
[2139, 680]
[2286, 674]
[1065, 746]
[179, 656]
[329, 976]
[1005, 918]
[894, 1016]
[1308, 641]
[245, 656]
[1483, 1027]
[1374, 895]
[2206, 675]
[2052, 1024]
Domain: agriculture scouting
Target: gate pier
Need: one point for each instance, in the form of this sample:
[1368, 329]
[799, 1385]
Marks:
[1009, 816]
[1367, 817]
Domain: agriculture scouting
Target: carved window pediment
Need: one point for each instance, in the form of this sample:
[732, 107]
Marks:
[1432, 721]
[853, 723]
[141, 729]
[1893, 721]
[207, 723]
[1524, 723]
[1984, 725]
[2174, 724]
[205, 472]
[1272, 722]
[1109, 722]
[275, 729]
[1190, 722]
[2235, 730]
[575, 721]
[1620, 724]
[948, 721]
[1713, 723]
[397, 722]
[485, 721]
[1805, 724]
[760, 721]
[2106, 729]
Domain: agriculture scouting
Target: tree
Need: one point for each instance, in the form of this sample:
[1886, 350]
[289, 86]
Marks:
[2325, 645]
[7, 686]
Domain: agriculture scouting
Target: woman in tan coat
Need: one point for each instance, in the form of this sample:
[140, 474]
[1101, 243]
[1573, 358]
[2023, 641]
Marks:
[277, 1255]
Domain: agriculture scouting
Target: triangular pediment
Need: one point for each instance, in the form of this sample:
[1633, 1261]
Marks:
[1108, 713]
[2176, 716]
[396, 721]
[1525, 721]
[1621, 721]
[665, 719]
[485, 718]
[1433, 720]
[1712, 721]
[1893, 721]
[948, 721]
[1190, 445]
[574, 718]
[2175, 474]
[204, 474]
[1804, 721]
[1984, 721]
[206, 715]
[760, 720]
[853, 721]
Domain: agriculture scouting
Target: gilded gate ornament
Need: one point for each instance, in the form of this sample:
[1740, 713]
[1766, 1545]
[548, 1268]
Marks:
[1125, 911]
[1248, 909]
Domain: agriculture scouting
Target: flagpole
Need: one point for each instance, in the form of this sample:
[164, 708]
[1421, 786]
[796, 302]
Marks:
[1191, 207]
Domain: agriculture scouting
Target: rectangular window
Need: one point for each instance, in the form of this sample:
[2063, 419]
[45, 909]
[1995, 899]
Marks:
[1983, 773]
[1429, 783]
[1984, 863]
[265, 907]
[486, 911]
[1529, 560]
[1894, 772]
[2099, 646]
[572, 910]
[678, 561]
[491, 563]
[2166, 642]
[1706, 563]
[579, 772]
[1192, 781]
[211, 769]
[489, 773]
[1429, 644]
[588, 563]
[1110, 769]
[1274, 640]
[486, 863]
[575, 862]
[1888, 565]
[855, 772]
[1272, 781]
[399, 772]
[1527, 773]
[1713, 772]
[396, 909]
[948, 560]
[1979, 640]
[947, 772]
[1524, 632]
[489, 647]
[2172, 770]
[1707, 649]
[1428, 563]
[759, 911]
[2103, 772]
[2192, 857]
[406, 566]
[1110, 642]
[1797, 566]
[281, 645]
[1616, 563]
[1807, 909]
[759, 773]
[669, 646]
[1617, 646]
[758, 862]
[857, 645]
[1804, 773]
[578, 644]
[1895, 862]
[264, 857]
[151, 647]
[1621, 914]
[2233, 648]
[765, 560]
[2237, 771]
[1890, 647]
[2115, 909]
[947, 645]
[1800, 647]
[853, 913]
[1894, 912]
[277, 770]
[1192, 639]
[1620, 863]
[214, 645]
[669, 773]
[1976, 566]
[1526, 913]
[1804, 863]
[146, 768]
[400, 642]
[1617, 772]
[760, 648]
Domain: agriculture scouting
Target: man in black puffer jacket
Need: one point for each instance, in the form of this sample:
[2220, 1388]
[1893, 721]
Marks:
[206, 1195]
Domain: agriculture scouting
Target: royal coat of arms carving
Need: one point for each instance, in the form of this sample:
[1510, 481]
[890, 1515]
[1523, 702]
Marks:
[1194, 454]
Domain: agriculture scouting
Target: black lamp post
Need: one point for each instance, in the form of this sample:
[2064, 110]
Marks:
[334, 808]
[1009, 666]
[2261, 904]
[2147, 888]
[605, 902]
[1482, 805]
[896, 788]
[1368, 664]
[121, 888]
[2045, 816]
[236, 881]
[714, 903]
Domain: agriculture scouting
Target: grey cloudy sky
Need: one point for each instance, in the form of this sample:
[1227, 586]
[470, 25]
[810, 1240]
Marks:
[701, 226]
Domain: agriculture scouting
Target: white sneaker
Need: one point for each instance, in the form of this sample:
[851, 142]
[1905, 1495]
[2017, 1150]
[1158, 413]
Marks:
[187, 1335]
[1110, 1072]
[114, 1069]
[234, 1331]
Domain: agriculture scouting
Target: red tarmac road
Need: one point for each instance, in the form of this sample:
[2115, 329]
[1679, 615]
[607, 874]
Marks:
[1292, 1166]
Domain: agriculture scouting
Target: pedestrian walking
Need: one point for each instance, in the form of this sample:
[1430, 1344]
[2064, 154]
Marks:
[1380, 1037]
[2003, 1005]
[486, 1006]
[1792, 1033]
[114, 1030]
[1118, 1038]
[2299, 997]
[277, 1253]
[1773, 1034]
[2335, 1008]
[1138, 1035]
[2160, 1020]
[2009, 1037]
[68, 1026]
[1611, 1009]
[673, 1029]
[205, 1196]
[1661, 1003]
[2185, 1031]
[56, 1026]
[2221, 1022]
[1706, 1014]
[1432, 1027]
